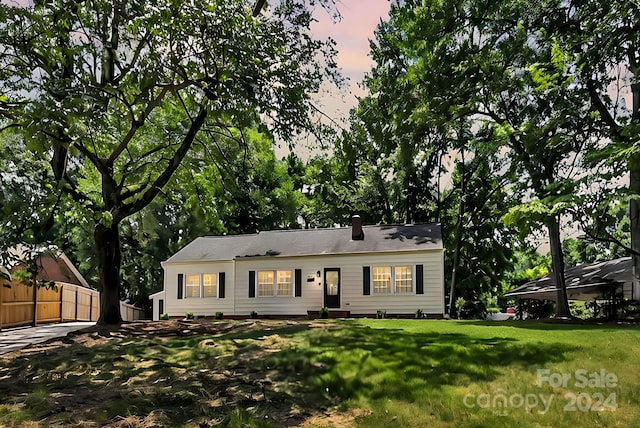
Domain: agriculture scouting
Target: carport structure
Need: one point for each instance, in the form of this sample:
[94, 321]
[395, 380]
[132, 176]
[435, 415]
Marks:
[608, 281]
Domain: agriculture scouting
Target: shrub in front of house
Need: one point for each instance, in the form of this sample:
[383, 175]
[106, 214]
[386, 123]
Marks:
[164, 317]
[219, 315]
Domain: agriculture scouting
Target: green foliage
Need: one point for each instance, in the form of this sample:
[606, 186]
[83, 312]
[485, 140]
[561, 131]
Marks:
[189, 315]
[108, 118]
[324, 312]
[529, 266]
[581, 310]
[164, 317]
[419, 314]
[219, 315]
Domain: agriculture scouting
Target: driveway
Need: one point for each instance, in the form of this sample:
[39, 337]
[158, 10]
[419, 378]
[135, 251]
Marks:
[21, 337]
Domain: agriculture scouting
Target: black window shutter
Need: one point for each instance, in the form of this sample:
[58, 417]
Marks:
[252, 283]
[298, 283]
[419, 280]
[180, 283]
[366, 280]
[221, 277]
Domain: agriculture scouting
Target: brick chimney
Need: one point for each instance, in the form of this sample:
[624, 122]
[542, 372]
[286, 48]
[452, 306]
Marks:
[357, 234]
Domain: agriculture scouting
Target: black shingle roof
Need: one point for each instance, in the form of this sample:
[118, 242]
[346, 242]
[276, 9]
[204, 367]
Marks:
[312, 242]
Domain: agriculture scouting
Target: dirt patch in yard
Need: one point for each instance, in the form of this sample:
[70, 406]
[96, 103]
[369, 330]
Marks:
[170, 373]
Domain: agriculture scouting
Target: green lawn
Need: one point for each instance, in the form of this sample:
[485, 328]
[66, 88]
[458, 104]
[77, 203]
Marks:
[369, 373]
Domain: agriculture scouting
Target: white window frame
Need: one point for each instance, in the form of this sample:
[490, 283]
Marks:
[374, 280]
[188, 286]
[214, 284]
[393, 285]
[200, 286]
[260, 285]
[412, 270]
[275, 284]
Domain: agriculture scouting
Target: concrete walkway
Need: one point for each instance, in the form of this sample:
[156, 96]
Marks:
[21, 337]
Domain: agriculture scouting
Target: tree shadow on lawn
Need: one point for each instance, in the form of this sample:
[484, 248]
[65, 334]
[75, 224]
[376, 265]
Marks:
[285, 374]
[359, 361]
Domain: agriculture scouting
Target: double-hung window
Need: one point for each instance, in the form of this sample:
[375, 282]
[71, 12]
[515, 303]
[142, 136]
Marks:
[275, 283]
[201, 285]
[209, 285]
[381, 279]
[285, 283]
[265, 283]
[392, 279]
[403, 279]
[192, 286]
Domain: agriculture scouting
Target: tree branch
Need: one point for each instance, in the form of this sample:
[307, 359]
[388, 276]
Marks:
[163, 179]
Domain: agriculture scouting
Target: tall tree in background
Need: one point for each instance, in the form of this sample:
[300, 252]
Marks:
[605, 38]
[493, 64]
[115, 94]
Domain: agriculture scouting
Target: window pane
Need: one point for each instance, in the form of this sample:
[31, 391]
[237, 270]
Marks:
[332, 279]
[285, 286]
[192, 283]
[381, 279]
[209, 285]
[265, 283]
[404, 279]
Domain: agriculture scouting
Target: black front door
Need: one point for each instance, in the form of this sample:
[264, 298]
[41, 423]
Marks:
[332, 287]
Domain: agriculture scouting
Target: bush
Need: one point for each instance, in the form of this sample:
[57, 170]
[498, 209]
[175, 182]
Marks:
[164, 317]
[189, 315]
[324, 312]
[254, 315]
[535, 309]
[381, 313]
[419, 314]
[219, 315]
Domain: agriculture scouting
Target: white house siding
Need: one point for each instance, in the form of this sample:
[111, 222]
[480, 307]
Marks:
[311, 295]
[206, 306]
[352, 298]
[155, 304]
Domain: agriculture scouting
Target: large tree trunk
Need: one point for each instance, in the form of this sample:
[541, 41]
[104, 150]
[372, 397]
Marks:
[557, 261]
[107, 240]
[459, 231]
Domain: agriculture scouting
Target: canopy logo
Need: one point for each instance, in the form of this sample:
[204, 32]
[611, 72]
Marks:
[585, 400]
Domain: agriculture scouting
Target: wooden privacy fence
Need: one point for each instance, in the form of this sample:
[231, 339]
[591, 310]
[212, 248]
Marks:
[68, 302]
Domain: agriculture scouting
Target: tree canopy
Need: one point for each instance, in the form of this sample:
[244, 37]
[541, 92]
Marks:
[115, 95]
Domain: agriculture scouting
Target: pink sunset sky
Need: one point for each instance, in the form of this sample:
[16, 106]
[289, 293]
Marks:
[352, 34]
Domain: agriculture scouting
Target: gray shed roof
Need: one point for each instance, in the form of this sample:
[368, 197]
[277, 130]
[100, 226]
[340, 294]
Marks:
[583, 282]
[312, 242]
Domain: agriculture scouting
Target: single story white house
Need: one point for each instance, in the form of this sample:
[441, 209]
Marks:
[356, 270]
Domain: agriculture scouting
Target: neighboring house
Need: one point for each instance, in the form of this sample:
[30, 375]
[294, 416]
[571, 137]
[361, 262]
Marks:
[64, 294]
[355, 271]
[588, 281]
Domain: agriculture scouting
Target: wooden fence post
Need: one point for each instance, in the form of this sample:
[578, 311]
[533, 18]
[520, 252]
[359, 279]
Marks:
[35, 303]
[61, 300]
[76, 303]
